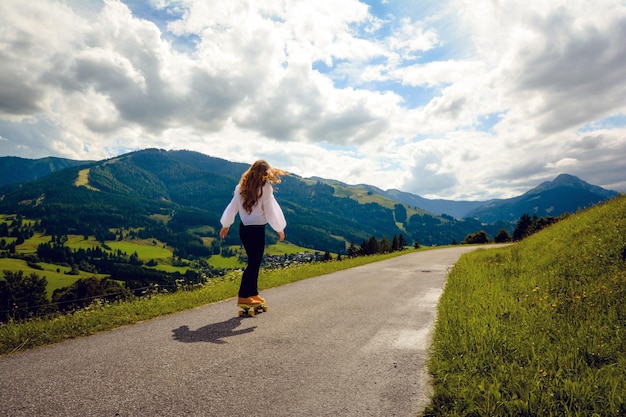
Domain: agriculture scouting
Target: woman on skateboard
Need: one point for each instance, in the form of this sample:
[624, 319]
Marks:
[254, 201]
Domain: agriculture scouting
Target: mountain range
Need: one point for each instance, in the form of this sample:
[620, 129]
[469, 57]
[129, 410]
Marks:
[14, 170]
[178, 197]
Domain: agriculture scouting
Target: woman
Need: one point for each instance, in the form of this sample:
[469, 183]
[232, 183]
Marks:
[254, 201]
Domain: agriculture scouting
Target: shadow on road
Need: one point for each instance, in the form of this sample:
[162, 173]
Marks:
[213, 333]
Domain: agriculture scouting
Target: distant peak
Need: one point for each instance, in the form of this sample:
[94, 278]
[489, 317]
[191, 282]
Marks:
[571, 182]
[567, 179]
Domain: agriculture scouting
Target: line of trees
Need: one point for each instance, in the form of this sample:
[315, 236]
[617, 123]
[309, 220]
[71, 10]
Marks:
[525, 227]
[373, 246]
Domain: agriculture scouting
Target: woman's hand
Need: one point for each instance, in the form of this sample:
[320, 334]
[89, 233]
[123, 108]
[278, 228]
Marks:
[223, 232]
[281, 236]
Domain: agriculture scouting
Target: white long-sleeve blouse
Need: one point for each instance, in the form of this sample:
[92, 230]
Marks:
[265, 211]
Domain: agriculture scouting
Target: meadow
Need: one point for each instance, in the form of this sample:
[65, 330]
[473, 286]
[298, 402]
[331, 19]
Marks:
[57, 276]
[537, 328]
[146, 250]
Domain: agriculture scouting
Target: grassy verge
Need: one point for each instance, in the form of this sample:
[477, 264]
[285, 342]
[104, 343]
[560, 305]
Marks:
[101, 317]
[537, 328]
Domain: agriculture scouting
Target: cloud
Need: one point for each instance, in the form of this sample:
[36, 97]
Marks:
[564, 162]
[453, 99]
[564, 59]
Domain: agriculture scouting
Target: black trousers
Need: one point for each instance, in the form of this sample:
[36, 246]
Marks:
[253, 240]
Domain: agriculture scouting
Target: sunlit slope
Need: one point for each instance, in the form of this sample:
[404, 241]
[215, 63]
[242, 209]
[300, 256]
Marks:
[538, 328]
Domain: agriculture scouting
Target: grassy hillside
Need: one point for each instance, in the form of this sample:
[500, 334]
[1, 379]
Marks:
[57, 276]
[537, 328]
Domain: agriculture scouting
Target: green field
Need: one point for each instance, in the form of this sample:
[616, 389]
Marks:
[231, 262]
[54, 274]
[146, 250]
[30, 245]
[286, 248]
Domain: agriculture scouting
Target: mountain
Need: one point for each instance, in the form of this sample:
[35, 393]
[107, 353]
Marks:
[14, 170]
[178, 196]
[458, 209]
[565, 194]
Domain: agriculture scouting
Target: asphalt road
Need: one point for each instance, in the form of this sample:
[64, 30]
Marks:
[351, 343]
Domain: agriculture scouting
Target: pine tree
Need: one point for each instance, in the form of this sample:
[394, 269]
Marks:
[395, 244]
[384, 246]
[521, 230]
[402, 243]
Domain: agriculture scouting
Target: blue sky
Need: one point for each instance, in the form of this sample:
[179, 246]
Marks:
[451, 99]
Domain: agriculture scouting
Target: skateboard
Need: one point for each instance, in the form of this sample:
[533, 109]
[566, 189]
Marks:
[249, 310]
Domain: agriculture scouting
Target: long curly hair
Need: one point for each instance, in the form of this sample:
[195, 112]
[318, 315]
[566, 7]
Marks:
[253, 180]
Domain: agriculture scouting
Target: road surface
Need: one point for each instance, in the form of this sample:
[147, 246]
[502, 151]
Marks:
[351, 343]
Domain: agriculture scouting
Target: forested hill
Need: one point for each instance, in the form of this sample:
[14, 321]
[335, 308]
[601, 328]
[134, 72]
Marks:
[14, 170]
[178, 197]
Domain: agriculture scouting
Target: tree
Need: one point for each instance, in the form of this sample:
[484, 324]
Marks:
[134, 259]
[352, 250]
[502, 236]
[523, 224]
[216, 247]
[395, 244]
[400, 212]
[402, 242]
[22, 296]
[384, 246]
[369, 247]
[478, 237]
[84, 291]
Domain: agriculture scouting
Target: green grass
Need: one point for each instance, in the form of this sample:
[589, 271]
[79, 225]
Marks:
[225, 263]
[537, 328]
[145, 249]
[39, 332]
[286, 248]
[77, 242]
[30, 245]
[171, 268]
[49, 271]
[4, 218]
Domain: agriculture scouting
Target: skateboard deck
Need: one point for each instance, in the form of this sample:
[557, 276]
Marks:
[249, 310]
